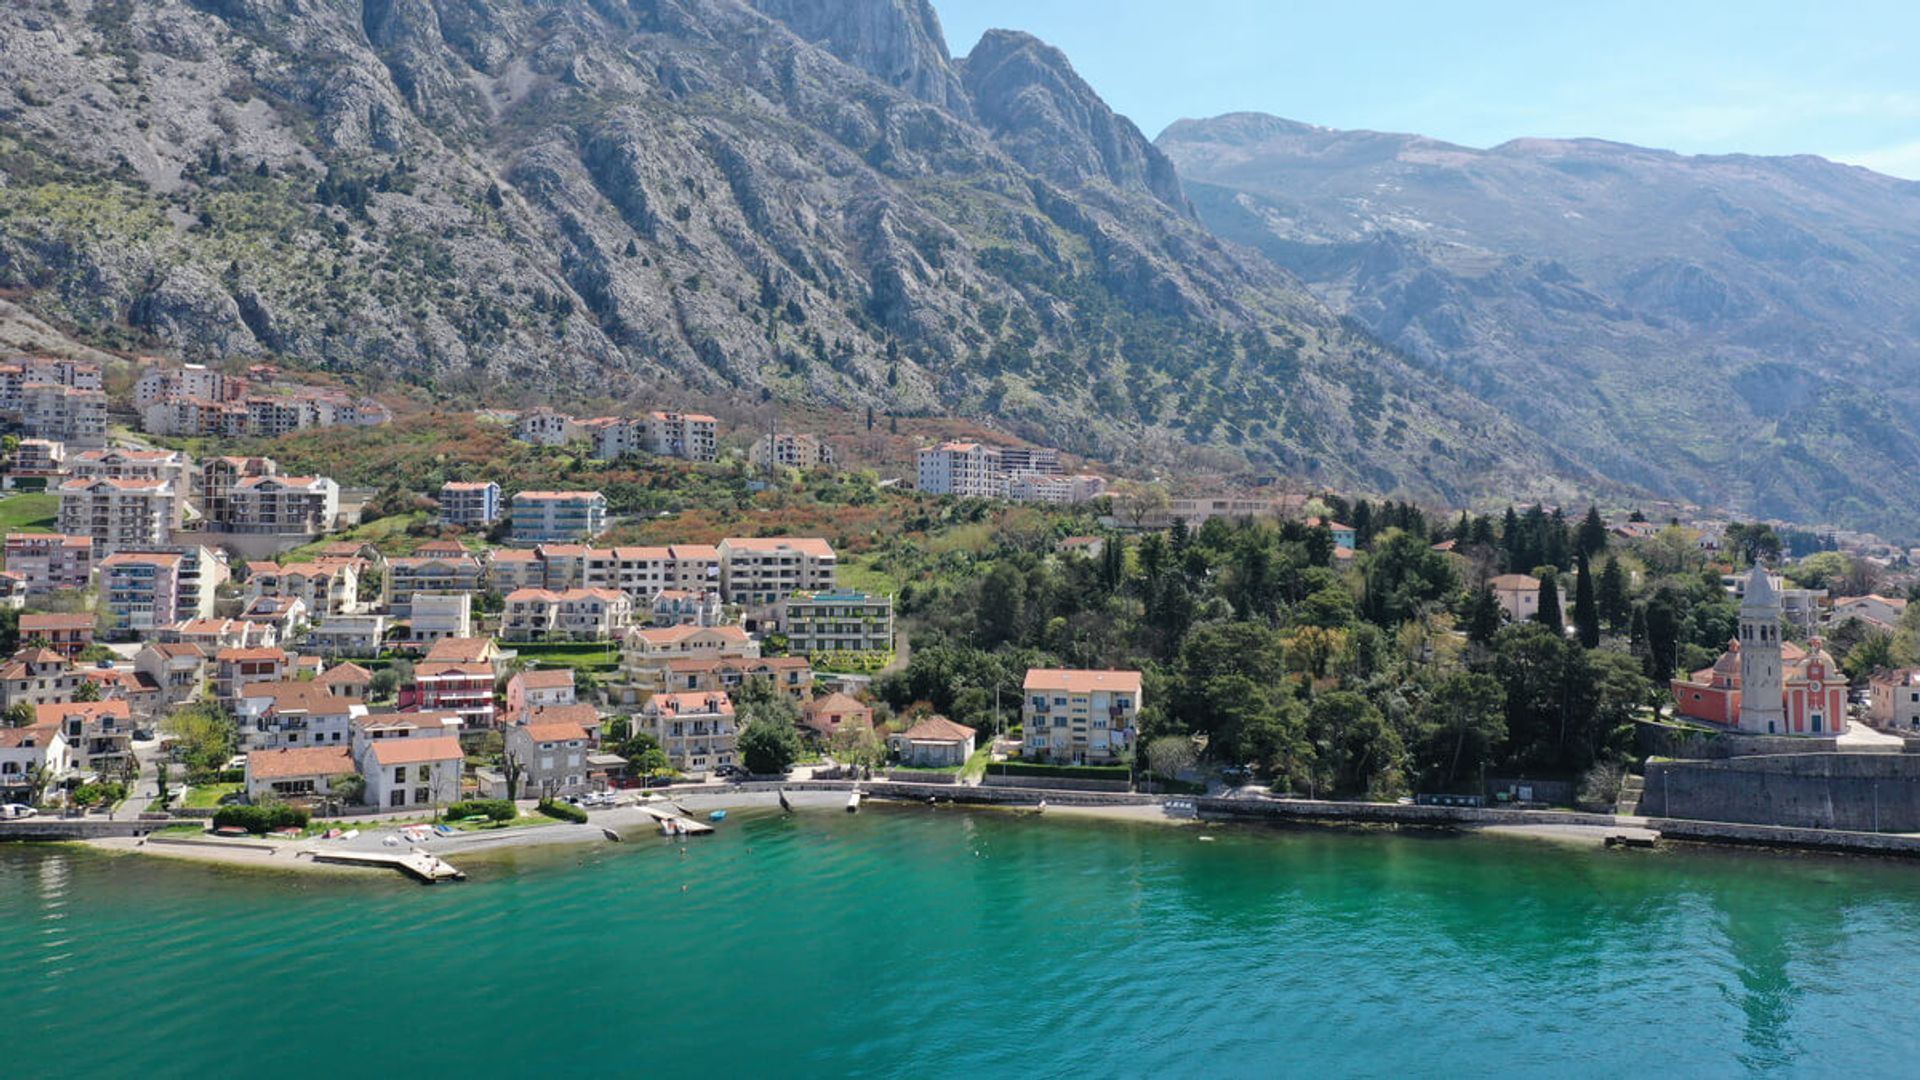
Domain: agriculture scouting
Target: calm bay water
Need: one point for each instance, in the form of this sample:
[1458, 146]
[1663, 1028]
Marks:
[909, 942]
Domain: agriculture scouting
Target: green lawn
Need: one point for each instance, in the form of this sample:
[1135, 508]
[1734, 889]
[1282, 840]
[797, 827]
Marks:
[857, 573]
[599, 656]
[389, 534]
[976, 765]
[29, 513]
[208, 796]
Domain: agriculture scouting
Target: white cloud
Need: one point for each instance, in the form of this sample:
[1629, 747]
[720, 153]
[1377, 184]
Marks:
[1901, 159]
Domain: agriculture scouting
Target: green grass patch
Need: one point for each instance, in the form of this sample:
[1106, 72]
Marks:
[592, 655]
[208, 796]
[389, 534]
[857, 573]
[976, 765]
[29, 513]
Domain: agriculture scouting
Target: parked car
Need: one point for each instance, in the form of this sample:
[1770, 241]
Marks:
[16, 810]
[729, 770]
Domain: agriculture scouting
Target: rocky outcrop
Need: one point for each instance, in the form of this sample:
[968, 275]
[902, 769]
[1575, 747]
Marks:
[1719, 329]
[1049, 119]
[898, 42]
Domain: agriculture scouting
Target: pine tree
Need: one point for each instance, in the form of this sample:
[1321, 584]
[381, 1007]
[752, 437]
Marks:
[1512, 542]
[1549, 613]
[1586, 612]
[1637, 635]
[1615, 608]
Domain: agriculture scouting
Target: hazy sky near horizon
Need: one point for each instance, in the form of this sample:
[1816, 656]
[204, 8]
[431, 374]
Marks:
[1840, 79]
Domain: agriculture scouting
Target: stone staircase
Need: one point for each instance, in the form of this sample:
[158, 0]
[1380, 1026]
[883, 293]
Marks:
[1631, 788]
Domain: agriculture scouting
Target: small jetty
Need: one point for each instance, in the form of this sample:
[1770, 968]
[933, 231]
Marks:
[430, 869]
[676, 824]
[1633, 838]
[853, 800]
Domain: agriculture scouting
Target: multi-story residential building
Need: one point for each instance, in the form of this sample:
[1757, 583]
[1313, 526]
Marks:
[281, 506]
[99, 732]
[693, 436]
[456, 677]
[686, 607]
[567, 615]
[141, 591]
[32, 759]
[403, 773]
[1041, 460]
[327, 585]
[615, 437]
[116, 514]
[287, 615]
[157, 384]
[216, 479]
[962, 468]
[558, 517]
[35, 463]
[49, 562]
[178, 669]
[837, 621]
[829, 716]
[433, 616]
[409, 575]
[169, 466]
[510, 568]
[539, 689]
[565, 564]
[791, 675]
[64, 414]
[934, 742]
[300, 713]
[696, 730]
[792, 450]
[1062, 490]
[347, 635]
[551, 744]
[190, 417]
[762, 570]
[469, 503]
[21, 372]
[235, 669]
[1893, 703]
[213, 635]
[542, 426]
[64, 633]
[37, 676]
[1080, 716]
[646, 650]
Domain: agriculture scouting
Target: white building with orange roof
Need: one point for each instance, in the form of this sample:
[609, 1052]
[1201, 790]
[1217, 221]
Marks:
[432, 574]
[37, 676]
[282, 506]
[557, 517]
[214, 634]
[646, 651]
[177, 668]
[565, 615]
[538, 689]
[99, 732]
[692, 436]
[469, 503]
[406, 773]
[140, 591]
[762, 570]
[119, 513]
[235, 669]
[697, 730]
[296, 774]
[49, 562]
[1080, 716]
[961, 467]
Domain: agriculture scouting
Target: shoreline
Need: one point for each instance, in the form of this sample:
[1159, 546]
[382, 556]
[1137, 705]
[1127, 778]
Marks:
[632, 823]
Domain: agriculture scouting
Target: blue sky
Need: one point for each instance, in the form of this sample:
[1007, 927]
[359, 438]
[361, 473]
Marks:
[1840, 79]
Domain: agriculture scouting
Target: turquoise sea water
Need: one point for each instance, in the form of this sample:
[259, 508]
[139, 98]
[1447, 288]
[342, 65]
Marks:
[923, 942]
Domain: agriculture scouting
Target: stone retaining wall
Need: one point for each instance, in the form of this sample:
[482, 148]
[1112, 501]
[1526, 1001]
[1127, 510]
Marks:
[1661, 740]
[1864, 792]
[1048, 783]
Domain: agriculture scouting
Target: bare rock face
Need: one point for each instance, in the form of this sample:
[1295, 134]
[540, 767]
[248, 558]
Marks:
[1050, 120]
[800, 200]
[1727, 330]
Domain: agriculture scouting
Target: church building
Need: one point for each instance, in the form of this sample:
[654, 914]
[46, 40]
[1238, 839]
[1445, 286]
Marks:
[1763, 685]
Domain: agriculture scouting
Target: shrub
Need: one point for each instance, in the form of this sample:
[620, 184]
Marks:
[99, 794]
[496, 809]
[260, 819]
[563, 811]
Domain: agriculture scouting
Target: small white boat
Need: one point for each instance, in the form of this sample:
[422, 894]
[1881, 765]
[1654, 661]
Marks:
[853, 801]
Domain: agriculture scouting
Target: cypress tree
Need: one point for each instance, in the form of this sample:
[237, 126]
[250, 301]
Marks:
[1593, 532]
[1549, 613]
[1615, 608]
[1483, 616]
[1586, 613]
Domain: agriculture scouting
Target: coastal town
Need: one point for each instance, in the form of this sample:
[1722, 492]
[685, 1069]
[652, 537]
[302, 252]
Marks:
[205, 641]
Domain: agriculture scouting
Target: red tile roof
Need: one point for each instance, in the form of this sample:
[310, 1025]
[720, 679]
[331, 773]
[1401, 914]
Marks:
[299, 762]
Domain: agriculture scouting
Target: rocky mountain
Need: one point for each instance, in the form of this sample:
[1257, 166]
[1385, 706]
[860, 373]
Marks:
[1738, 331]
[789, 200]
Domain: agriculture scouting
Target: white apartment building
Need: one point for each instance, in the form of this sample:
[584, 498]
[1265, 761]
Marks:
[567, 615]
[693, 436]
[762, 570]
[558, 517]
[792, 450]
[158, 384]
[75, 417]
[962, 468]
[119, 514]
[46, 562]
[283, 506]
[1061, 490]
[469, 504]
[544, 427]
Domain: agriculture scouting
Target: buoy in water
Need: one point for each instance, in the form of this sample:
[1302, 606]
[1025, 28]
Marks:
[1207, 839]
